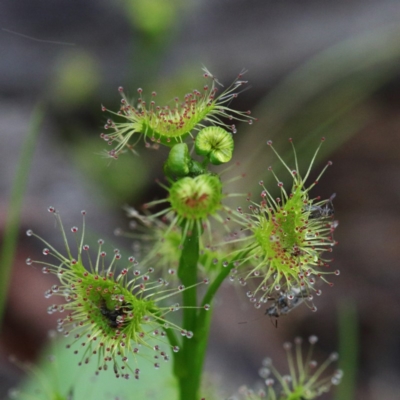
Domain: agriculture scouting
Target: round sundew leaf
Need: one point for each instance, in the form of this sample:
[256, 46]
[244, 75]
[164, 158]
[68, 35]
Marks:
[170, 125]
[288, 236]
[215, 143]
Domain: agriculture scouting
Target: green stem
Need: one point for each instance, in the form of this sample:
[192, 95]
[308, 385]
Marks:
[188, 363]
[204, 316]
[186, 359]
[212, 290]
[205, 162]
[15, 204]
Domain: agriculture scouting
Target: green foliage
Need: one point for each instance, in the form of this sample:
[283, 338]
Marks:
[120, 182]
[154, 18]
[58, 374]
[77, 77]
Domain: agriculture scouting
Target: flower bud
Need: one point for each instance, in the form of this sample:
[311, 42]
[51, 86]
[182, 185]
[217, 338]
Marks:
[178, 162]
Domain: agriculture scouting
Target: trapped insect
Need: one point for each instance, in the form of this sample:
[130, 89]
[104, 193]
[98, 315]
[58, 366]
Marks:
[326, 210]
[286, 302]
[116, 317]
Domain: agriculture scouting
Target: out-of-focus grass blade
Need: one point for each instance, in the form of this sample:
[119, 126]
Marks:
[318, 98]
[10, 236]
[348, 349]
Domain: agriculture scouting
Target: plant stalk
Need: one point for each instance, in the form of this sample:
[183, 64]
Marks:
[186, 359]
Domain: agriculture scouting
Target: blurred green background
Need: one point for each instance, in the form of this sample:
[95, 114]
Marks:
[316, 68]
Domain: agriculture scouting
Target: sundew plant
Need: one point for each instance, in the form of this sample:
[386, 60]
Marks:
[276, 246]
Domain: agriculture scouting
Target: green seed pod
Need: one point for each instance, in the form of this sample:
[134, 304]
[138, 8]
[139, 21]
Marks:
[215, 143]
[179, 161]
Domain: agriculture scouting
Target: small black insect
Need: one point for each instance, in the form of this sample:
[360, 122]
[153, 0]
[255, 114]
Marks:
[326, 210]
[115, 317]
